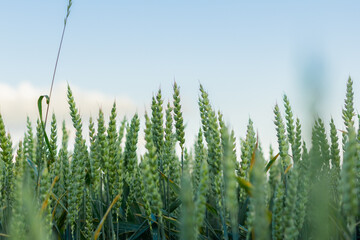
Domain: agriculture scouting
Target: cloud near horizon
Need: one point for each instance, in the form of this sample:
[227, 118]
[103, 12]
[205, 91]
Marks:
[18, 102]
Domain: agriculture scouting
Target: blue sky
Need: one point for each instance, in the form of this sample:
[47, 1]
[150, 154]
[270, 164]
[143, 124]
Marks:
[247, 54]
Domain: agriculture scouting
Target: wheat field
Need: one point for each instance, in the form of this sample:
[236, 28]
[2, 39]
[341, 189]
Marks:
[107, 190]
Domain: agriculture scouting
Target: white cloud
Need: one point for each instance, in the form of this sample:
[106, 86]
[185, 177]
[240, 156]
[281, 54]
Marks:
[18, 102]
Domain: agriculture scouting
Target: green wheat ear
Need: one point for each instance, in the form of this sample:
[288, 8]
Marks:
[157, 122]
[130, 160]
[324, 145]
[199, 158]
[79, 159]
[282, 139]
[230, 182]
[40, 151]
[150, 172]
[120, 168]
[297, 143]
[6, 155]
[348, 110]
[64, 162]
[168, 140]
[101, 143]
[204, 107]
[112, 138]
[53, 137]
[179, 121]
[94, 164]
[348, 185]
[247, 148]
[289, 120]
[130, 157]
[55, 167]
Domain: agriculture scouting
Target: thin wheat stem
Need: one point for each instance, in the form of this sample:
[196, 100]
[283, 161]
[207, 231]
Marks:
[57, 60]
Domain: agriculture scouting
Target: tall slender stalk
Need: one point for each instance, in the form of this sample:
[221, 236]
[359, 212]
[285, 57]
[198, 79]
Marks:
[57, 59]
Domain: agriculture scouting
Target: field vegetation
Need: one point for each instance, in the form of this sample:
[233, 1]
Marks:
[106, 190]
